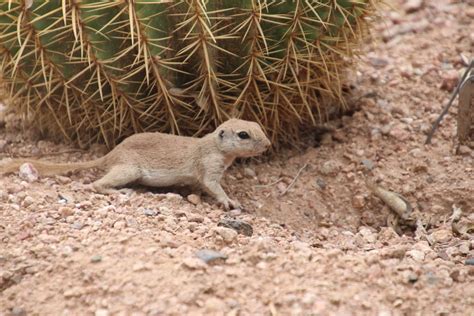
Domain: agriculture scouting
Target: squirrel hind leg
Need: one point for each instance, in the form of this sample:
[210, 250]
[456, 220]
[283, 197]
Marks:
[117, 176]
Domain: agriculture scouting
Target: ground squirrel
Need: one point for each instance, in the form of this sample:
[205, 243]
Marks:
[161, 160]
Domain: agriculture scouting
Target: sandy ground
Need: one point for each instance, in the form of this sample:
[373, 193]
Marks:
[321, 242]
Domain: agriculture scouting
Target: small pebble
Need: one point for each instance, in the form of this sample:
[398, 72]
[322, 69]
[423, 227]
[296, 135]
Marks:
[227, 234]
[369, 164]
[330, 167]
[464, 150]
[120, 225]
[3, 145]
[281, 187]
[234, 213]
[28, 172]
[210, 256]
[65, 211]
[239, 226]
[196, 218]
[358, 202]
[77, 225]
[28, 201]
[412, 277]
[412, 6]
[386, 129]
[249, 172]
[469, 262]
[441, 235]
[96, 258]
[450, 80]
[18, 311]
[102, 312]
[321, 183]
[149, 212]
[194, 199]
[417, 255]
[194, 263]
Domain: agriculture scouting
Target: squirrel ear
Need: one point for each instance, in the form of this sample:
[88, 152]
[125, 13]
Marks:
[221, 133]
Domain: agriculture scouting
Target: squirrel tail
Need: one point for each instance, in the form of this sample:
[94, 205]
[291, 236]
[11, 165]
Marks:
[48, 168]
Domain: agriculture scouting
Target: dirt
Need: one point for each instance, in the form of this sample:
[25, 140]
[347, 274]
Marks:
[321, 242]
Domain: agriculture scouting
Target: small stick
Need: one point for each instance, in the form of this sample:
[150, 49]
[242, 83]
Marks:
[446, 108]
[294, 180]
[259, 186]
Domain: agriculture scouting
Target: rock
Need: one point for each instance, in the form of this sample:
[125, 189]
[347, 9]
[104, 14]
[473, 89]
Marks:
[413, 5]
[173, 197]
[149, 212]
[303, 249]
[469, 262]
[416, 255]
[411, 277]
[441, 235]
[28, 201]
[168, 241]
[281, 187]
[141, 266]
[96, 258]
[321, 183]
[452, 251]
[239, 226]
[65, 211]
[194, 263]
[214, 306]
[211, 256]
[18, 311]
[132, 222]
[120, 224]
[3, 145]
[369, 164]
[73, 292]
[368, 235]
[450, 80]
[227, 234]
[456, 276]
[386, 129]
[378, 62]
[67, 251]
[358, 202]
[194, 199]
[102, 312]
[249, 172]
[399, 133]
[464, 248]
[326, 139]
[330, 167]
[77, 225]
[464, 150]
[28, 172]
[234, 213]
[63, 179]
[195, 218]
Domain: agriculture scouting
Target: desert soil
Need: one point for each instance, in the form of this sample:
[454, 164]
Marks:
[322, 243]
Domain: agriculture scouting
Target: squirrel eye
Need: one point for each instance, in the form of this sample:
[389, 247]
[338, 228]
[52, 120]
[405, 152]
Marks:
[243, 135]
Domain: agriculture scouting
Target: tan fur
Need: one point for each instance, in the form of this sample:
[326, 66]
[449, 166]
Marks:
[158, 159]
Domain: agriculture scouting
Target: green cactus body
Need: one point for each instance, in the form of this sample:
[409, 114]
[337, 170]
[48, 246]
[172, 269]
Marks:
[101, 70]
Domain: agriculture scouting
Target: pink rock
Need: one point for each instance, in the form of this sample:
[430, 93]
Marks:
[28, 172]
[450, 80]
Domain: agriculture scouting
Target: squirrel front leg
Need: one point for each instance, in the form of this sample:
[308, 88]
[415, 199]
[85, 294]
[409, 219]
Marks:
[213, 187]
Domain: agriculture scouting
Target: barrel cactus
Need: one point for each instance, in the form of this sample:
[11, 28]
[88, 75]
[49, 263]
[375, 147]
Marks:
[92, 71]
